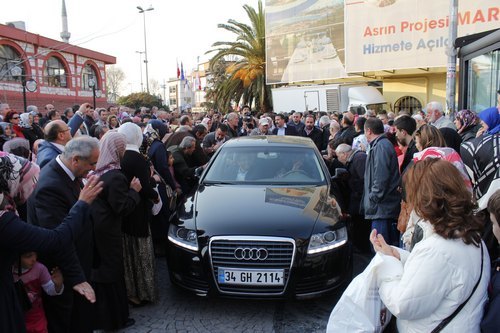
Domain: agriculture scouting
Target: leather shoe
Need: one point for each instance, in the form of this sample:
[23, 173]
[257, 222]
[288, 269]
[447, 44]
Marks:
[129, 322]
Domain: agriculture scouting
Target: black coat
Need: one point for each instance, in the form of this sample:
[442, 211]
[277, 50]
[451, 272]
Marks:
[289, 130]
[17, 237]
[356, 167]
[54, 195]
[133, 165]
[410, 151]
[115, 201]
[316, 136]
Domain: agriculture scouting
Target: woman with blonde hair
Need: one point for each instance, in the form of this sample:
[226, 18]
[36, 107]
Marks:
[428, 136]
[442, 284]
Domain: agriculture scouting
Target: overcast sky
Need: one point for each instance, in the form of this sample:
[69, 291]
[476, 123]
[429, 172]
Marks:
[176, 29]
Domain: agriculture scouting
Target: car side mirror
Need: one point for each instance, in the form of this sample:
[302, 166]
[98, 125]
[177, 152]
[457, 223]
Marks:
[198, 171]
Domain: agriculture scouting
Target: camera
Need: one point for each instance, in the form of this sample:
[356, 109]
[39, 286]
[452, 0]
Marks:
[248, 119]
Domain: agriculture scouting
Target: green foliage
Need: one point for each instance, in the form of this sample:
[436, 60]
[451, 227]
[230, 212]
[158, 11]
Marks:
[137, 100]
[245, 79]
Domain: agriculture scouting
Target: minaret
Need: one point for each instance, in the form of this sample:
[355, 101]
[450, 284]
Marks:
[65, 35]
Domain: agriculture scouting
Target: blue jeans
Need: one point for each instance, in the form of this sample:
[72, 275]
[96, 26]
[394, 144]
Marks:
[388, 229]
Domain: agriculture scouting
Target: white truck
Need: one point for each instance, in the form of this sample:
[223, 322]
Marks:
[329, 98]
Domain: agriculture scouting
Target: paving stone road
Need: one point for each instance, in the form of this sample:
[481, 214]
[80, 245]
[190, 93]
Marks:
[182, 312]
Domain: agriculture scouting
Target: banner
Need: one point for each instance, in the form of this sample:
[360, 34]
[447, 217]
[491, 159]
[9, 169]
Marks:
[304, 40]
[403, 34]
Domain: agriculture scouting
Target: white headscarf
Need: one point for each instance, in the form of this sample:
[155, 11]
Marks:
[133, 133]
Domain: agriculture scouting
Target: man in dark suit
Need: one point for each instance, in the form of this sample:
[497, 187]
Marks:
[312, 132]
[55, 194]
[281, 127]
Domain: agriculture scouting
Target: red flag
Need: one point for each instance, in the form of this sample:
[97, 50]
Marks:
[178, 70]
[198, 82]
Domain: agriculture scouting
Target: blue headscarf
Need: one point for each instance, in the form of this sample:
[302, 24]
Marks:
[491, 117]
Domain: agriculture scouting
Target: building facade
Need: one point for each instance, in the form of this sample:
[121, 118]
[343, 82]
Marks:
[64, 74]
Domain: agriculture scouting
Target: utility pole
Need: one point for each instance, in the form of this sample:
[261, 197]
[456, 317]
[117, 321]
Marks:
[451, 71]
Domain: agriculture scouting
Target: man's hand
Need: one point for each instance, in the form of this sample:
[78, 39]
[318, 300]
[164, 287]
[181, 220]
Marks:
[85, 289]
[91, 190]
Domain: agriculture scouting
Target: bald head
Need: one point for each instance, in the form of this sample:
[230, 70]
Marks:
[57, 131]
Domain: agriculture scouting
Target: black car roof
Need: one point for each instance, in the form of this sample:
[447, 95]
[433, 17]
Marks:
[266, 140]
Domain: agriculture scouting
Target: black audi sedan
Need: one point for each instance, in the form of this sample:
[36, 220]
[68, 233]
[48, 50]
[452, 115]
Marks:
[261, 224]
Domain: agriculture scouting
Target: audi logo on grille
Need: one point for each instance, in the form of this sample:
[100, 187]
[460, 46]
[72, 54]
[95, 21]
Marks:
[251, 254]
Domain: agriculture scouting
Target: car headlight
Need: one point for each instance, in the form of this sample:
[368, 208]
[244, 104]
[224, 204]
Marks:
[326, 241]
[183, 237]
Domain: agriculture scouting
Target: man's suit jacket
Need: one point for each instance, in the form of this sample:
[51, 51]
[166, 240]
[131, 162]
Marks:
[316, 136]
[52, 199]
[289, 130]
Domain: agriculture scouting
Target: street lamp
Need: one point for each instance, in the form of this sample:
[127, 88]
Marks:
[140, 66]
[29, 85]
[92, 84]
[143, 12]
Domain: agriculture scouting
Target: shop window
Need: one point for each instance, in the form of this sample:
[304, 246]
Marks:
[483, 73]
[54, 73]
[89, 72]
[9, 59]
[407, 104]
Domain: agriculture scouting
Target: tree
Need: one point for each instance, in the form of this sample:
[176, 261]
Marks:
[246, 79]
[215, 79]
[114, 80]
[137, 100]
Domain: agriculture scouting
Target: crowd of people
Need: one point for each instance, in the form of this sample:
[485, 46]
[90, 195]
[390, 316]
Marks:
[98, 187]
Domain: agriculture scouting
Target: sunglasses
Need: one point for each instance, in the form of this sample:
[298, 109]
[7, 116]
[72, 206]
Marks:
[15, 117]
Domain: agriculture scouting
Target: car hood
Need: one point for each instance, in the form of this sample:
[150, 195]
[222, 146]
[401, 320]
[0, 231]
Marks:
[259, 210]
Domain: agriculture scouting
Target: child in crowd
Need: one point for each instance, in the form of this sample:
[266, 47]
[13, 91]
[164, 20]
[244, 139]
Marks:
[491, 318]
[36, 277]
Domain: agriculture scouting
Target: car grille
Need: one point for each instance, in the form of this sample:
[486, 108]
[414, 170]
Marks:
[281, 254]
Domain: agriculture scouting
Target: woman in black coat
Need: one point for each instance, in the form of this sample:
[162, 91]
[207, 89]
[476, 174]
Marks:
[138, 252]
[117, 199]
[156, 151]
[17, 179]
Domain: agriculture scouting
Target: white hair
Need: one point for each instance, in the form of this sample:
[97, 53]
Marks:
[435, 106]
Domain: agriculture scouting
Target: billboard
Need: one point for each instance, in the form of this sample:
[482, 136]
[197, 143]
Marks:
[402, 34]
[304, 40]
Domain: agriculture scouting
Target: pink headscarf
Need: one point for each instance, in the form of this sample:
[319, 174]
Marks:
[18, 177]
[112, 147]
[448, 154]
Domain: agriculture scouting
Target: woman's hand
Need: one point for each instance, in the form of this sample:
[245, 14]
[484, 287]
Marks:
[135, 184]
[381, 246]
[91, 190]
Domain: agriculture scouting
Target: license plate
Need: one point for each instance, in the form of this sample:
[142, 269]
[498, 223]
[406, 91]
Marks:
[253, 277]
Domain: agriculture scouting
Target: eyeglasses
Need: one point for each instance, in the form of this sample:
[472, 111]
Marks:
[15, 117]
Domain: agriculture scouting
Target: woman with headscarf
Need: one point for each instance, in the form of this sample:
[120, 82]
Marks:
[18, 177]
[154, 149]
[138, 252]
[29, 131]
[118, 198]
[466, 123]
[490, 121]
[5, 134]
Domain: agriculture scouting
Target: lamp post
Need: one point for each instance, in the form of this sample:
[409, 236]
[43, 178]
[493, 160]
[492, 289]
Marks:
[92, 84]
[29, 85]
[143, 12]
[140, 66]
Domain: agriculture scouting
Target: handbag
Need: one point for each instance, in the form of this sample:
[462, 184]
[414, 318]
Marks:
[360, 308]
[447, 320]
[155, 210]
[22, 293]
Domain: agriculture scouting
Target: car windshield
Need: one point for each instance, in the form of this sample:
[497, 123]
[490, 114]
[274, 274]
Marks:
[270, 165]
